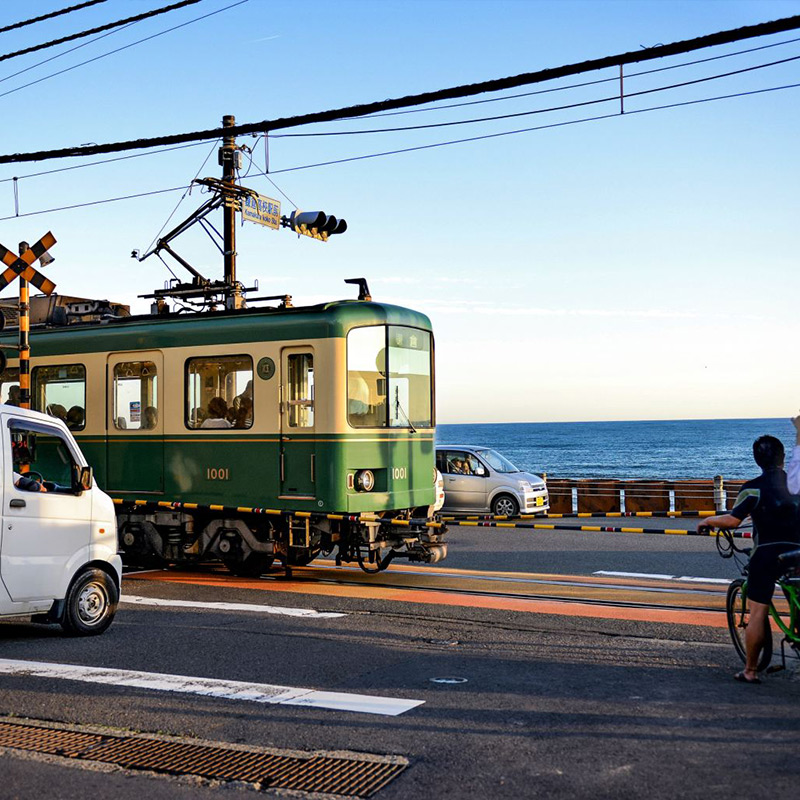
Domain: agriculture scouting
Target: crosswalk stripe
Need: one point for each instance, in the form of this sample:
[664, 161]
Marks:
[136, 600]
[213, 687]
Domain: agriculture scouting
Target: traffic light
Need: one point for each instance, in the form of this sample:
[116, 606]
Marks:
[316, 224]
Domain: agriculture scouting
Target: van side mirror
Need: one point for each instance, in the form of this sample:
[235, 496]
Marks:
[82, 479]
[480, 470]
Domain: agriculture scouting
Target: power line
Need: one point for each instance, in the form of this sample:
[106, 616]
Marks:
[99, 163]
[52, 14]
[96, 202]
[586, 83]
[536, 128]
[433, 145]
[536, 111]
[660, 51]
[123, 47]
[154, 13]
[63, 53]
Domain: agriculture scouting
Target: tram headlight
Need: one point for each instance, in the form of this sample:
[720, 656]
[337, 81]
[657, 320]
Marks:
[365, 480]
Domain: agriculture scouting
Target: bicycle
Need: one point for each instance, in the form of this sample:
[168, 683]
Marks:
[737, 609]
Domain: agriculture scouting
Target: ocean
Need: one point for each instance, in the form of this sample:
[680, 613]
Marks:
[669, 449]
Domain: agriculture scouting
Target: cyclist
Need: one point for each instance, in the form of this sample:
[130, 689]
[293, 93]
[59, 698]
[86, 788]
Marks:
[775, 512]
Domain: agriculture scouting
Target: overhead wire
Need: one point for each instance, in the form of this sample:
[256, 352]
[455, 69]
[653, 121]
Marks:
[362, 109]
[101, 162]
[265, 172]
[583, 84]
[437, 144]
[52, 14]
[481, 137]
[64, 53]
[183, 197]
[82, 34]
[123, 47]
[497, 117]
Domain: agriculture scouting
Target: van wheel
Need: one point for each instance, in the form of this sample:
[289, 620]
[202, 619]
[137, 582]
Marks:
[505, 505]
[90, 604]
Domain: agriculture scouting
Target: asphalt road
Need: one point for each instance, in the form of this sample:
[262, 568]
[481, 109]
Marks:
[551, 705]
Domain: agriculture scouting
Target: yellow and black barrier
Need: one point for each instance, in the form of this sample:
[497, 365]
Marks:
[176, 505]
[589, 528]
[582, 514]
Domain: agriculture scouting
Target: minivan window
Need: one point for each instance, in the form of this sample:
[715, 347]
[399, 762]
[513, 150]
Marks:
[497, 462]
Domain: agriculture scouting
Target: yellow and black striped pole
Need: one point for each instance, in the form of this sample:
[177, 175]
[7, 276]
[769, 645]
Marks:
[24, 342]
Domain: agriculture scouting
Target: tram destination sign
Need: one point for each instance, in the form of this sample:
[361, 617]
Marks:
[263, 210]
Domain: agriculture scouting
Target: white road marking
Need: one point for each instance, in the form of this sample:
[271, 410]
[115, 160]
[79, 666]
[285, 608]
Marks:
[213, 687]
[662, 577]
[254, 607]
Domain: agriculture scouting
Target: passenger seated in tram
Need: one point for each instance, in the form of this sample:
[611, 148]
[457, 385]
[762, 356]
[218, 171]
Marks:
[150, 418]
[58, 411]
[217, 413]
[244, 413]
[75, 418]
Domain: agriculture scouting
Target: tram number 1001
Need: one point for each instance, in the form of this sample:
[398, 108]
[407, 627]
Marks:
[399, 473]
[218, 474]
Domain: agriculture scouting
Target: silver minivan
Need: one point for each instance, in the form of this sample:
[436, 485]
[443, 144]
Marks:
[480, 479]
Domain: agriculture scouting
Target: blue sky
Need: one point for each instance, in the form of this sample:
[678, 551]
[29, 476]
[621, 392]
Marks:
[639, 267]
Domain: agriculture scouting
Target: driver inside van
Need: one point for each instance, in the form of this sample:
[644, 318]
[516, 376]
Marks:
[28, 484]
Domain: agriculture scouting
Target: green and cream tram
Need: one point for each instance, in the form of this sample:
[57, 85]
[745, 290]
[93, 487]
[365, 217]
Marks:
[253, 434]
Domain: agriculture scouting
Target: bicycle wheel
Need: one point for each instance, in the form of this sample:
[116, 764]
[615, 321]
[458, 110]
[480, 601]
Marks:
[738, 618]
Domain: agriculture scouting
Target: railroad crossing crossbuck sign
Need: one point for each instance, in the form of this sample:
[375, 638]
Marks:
[20, 266]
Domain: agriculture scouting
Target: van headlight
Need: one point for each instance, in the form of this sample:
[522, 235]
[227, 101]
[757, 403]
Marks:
[365, 480]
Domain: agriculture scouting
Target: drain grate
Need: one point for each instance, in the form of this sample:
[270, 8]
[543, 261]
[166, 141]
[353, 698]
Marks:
[354, 777]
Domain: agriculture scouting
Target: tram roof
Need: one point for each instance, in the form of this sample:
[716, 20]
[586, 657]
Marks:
[326, 320]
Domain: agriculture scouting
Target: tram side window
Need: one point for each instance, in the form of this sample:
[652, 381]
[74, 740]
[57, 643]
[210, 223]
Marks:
[9, 386]
[135, 395]
[366, 377]
[219, 392]
[60, 391]
[300, 400]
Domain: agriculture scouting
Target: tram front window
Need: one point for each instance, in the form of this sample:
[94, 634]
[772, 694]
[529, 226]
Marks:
[389, 392]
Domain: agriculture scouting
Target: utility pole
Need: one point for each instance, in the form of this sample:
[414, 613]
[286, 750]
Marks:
[230, 160]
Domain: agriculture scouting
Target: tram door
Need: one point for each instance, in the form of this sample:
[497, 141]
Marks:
[135, 443]
[298, 449]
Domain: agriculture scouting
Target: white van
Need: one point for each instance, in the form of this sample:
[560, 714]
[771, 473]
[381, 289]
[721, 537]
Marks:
[58, 540]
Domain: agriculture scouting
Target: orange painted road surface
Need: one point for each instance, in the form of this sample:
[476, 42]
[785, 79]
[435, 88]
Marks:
[562, 595]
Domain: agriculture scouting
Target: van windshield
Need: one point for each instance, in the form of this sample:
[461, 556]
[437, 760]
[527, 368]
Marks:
[497, 462]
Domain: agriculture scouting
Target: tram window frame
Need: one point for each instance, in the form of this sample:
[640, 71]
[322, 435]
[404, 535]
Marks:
[39, 400]
[9, 378]
[385, 383]
[152, 379]
[299, 408]
[190, 402]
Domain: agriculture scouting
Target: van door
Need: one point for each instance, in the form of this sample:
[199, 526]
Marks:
[463, 490]
[135, 442]
[42, 531]
[298, 448]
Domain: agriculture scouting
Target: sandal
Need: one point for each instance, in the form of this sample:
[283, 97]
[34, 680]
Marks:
[742, 678]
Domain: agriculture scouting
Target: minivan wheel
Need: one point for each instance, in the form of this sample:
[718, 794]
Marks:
[505, 505]
[90, 604]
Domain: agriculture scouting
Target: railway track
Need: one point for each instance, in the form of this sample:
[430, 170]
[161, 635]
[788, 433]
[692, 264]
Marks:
[408, 583]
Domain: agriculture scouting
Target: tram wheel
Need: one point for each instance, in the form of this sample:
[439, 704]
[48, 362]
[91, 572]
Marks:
[253, 566]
